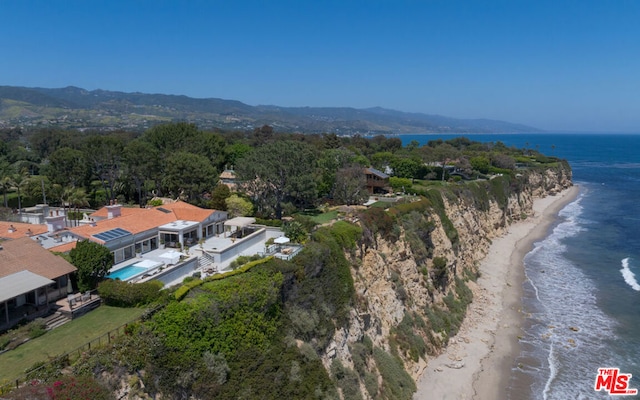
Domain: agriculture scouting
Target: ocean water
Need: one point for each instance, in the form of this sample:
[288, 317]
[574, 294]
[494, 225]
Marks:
[582, 288]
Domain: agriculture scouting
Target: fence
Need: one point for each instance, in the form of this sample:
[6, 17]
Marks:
[70, 356]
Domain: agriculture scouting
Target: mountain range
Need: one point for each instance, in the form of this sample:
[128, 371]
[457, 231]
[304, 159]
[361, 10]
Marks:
[77, 108]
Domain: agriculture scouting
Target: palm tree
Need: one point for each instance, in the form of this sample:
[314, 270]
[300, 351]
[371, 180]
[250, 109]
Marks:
[79, 199]
[5, 183]
[65, 199]
[19, 180]
[5, 179]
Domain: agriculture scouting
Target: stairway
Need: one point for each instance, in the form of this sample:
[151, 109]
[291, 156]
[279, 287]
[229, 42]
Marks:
[55, 320]
[206, 261]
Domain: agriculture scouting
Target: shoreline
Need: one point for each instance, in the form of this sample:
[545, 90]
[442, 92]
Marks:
[478, 361]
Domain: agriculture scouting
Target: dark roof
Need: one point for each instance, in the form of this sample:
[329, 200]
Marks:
[374, 171]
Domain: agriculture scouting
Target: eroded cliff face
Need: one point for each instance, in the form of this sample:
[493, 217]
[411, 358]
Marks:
[395, 294]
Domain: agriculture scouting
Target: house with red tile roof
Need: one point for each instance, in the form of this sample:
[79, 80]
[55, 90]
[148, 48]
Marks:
[15, 230]
[31, 278]
[128, 231]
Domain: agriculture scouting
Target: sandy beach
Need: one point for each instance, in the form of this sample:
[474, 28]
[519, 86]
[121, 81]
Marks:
[478, 361]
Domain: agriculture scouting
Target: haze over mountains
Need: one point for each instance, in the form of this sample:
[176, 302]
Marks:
[73, 107]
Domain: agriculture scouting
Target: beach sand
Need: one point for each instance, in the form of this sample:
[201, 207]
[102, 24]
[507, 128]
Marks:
[477, 363]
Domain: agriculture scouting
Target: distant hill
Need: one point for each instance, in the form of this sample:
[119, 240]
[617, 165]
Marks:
[73, 107]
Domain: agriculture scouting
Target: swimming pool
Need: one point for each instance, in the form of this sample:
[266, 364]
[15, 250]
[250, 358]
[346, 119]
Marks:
[126, 273]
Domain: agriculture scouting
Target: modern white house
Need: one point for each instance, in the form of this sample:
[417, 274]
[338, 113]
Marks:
[128, 232]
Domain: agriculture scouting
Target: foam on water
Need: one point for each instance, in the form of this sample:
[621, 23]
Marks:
[629, 277]
[568, 333]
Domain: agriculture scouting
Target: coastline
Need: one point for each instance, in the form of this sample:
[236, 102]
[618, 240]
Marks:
[478, 361]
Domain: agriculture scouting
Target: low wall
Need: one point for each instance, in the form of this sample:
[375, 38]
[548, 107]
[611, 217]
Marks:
[172, 274]
[239, 246]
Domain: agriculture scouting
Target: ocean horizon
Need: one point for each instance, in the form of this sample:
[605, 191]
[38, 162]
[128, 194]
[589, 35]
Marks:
[582, 281]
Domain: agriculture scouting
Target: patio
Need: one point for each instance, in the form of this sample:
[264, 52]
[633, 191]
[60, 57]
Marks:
[219, 251]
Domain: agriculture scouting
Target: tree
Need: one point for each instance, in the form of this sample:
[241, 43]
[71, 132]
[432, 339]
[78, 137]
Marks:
[142, 163]
[172, 137]
[219, 196]
[405, 168]
[78, 198]
[279, 172]
[104, 153]
[481, 164]
[329, 162]
[237, 206]
[189, 175]
[5, 179]
[67, 167]
[349, 186]
[93, 262]
[18, 181]
[295, 231]
[503, 161]
[444, 153]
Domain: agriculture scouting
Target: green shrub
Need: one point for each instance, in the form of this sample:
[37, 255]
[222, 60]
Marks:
[406, 337]
[124, 294]
[435, 199]
[4, 341]
[376, 221]
[398, 184]
[36, 329]
[346, 380]
[371, 384]
[242, 260]
[418, 233]
[182, 291]
[269, 222]
[345, 234]
[440, 271]
[396, 382]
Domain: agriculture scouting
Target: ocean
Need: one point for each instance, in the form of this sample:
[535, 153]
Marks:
[582, 287]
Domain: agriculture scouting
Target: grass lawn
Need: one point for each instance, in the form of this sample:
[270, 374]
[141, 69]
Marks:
[325, 217]
[63, 339]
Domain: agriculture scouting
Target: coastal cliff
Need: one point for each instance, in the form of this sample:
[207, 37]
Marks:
[412, 278]
[358, 314]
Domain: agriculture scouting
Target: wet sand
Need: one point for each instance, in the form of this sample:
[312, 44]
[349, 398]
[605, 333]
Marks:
[478, 362]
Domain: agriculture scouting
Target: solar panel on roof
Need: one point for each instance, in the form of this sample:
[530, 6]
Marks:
[112, 234]
[164, 210]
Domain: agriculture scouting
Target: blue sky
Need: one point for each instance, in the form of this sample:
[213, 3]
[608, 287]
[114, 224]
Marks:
[556, 65]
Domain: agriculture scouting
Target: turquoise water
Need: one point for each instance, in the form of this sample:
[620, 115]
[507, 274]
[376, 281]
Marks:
[126, 273]
[582, 290]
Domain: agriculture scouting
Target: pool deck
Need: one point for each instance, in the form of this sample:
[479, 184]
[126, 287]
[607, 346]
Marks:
[215, 243]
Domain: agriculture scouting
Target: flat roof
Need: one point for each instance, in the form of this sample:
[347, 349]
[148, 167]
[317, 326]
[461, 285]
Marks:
[178, 225]
[240, 221]
[19, 283]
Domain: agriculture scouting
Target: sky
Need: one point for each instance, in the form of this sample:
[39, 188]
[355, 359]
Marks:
[554, 65]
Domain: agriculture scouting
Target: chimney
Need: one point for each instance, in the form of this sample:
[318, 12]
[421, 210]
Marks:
[12, 228]
[114, 210]
[55, 224]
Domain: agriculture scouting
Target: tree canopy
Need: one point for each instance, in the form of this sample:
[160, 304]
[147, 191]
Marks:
[93, 262]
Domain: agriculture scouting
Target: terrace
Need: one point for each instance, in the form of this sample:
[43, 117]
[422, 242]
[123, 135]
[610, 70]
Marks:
[209, 256]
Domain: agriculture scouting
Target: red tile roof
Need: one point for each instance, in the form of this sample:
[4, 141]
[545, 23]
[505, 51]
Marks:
[143, 219]
[27, 254]
[188, 212]
[63, 248]
[20, 229]
[124, 211]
